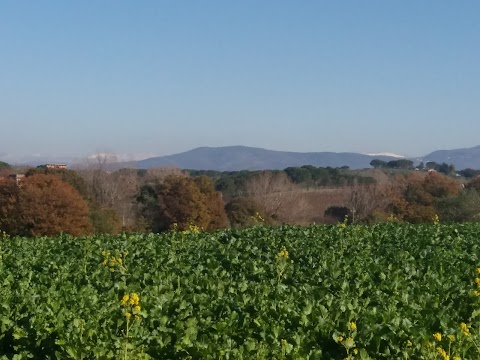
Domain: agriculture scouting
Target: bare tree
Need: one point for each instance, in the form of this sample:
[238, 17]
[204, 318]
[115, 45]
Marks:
[114, 190]
[363, 200]
[274, 193]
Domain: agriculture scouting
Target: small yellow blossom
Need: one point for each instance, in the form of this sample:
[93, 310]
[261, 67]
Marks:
[451, 337]
[355, 351]
[475, 292]
[128, 315]
[137, 308]
[257, 218]
[125, 299]
[477, 270]
[134, 299]
[353, 326]
[409, 343]
[442, 352]
[465, 329]
[283, 254]
[437, 336]
[457, 358]
[340, 338]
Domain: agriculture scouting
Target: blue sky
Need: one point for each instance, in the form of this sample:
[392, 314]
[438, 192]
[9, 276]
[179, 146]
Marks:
[160, 77]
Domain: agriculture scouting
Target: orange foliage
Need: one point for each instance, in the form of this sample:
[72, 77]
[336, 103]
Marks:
[414, 197]
[42, 205]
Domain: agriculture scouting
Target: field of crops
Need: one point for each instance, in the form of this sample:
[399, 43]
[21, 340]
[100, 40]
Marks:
[382, 292]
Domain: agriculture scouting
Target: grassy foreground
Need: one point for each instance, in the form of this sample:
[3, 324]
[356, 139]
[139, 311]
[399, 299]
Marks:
[325, 292]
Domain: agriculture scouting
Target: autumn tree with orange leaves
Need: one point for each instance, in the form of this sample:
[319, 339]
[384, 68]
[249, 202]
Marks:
[417, 198]
[42, 205]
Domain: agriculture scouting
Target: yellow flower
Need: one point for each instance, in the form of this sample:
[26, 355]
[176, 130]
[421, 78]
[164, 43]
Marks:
[477, 281]
[441, 351]
[137, 308]
[451, 337]
[437, 336]
[104, 262]
[465, 329]
[409, 343]
[355, 351]
[478, 270]
[353, 326]
[128, 315]
[475, 293]
[283, 254]
[134, 299]
[340, 338]
[457, 358]
[125, 299]
[283, 342]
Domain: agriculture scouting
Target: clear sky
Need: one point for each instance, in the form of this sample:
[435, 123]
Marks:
[160, 77]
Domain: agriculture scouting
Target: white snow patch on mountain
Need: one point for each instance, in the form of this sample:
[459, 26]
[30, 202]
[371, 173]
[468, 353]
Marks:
[387, 154]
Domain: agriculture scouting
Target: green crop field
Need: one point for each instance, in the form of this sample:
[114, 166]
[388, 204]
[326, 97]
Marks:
[388, 291]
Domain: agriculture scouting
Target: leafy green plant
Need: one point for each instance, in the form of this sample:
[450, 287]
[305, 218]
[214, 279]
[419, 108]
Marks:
[260, 293]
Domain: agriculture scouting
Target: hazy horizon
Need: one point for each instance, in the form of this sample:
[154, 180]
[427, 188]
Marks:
[155, 78]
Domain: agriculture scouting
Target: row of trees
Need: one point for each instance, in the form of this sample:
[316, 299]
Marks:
[233, 183]
[404, 164]
[97, 200]
[412, 197]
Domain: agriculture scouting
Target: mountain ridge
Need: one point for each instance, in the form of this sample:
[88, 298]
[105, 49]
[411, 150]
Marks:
[235, 158]
[240, 157]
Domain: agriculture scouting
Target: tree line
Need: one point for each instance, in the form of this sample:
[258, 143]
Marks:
[97, 200]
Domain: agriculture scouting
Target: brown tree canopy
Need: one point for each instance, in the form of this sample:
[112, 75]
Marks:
[42, 205]
[69, 176]
[187, 201]
[415, 198]
[474, 184]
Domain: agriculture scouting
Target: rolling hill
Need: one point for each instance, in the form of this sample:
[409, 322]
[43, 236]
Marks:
[461, 158]
[234, 158]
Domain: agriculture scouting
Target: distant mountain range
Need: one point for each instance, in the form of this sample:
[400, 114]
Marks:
[234, 158]
[461, 158]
